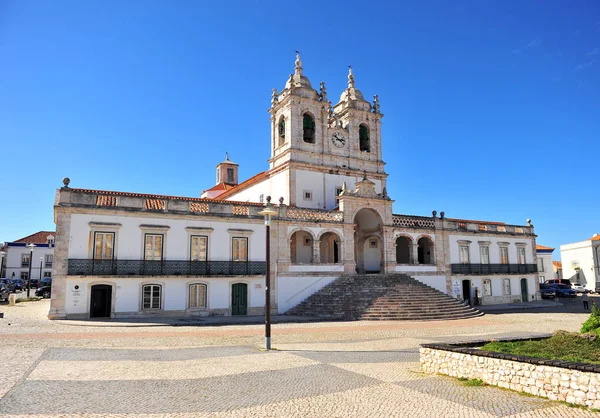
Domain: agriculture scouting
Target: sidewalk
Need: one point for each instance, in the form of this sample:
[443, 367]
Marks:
[214, 321]
[520, 305]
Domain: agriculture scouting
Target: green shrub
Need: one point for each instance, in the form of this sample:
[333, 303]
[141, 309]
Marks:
[593, 322]
[29, 299]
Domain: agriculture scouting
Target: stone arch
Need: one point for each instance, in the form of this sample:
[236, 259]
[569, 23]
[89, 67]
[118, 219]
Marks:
[330, 247]
[364, 138]
[281, 130]
[368, 240]
[425, 250]
[302, 246]
[308, 127]
[404, 249]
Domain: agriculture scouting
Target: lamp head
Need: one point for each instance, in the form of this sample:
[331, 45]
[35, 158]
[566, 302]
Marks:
[267, 212]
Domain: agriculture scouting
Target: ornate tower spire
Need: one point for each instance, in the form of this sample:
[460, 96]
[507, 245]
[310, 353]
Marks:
[298, 63]
[350, 78]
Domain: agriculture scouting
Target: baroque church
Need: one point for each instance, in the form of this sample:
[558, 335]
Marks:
[337, 249]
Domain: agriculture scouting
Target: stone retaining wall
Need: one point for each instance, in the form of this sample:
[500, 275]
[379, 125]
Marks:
[576, 383]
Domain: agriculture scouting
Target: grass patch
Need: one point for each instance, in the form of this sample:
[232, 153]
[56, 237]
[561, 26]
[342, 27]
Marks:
[568, 347]
[473, 382]
[29, 299]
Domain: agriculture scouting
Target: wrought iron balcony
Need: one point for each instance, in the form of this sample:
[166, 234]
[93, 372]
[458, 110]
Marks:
[482, 269]
[89, 267]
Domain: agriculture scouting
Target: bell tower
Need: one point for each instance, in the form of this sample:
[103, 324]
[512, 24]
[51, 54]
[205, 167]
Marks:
[299, 117]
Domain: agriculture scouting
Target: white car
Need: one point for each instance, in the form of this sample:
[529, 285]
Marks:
[579, 288]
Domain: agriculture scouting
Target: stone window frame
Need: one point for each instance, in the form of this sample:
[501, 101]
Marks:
[199, 231]
[464, 244]
[487, 290]
[501, 245]
[504, 292]
[104, 228]
[521, 247]
[23, 257]
[206, 298]
[240, 233]
[161, 286]
[148, 229]
[482, 245]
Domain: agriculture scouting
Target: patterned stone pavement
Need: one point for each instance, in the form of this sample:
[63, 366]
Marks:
[365, 369]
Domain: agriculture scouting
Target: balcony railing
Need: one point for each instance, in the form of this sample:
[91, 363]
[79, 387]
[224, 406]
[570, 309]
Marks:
[87, 267]
[481, 269]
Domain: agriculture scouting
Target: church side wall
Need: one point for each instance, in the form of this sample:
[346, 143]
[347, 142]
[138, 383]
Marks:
[275, 186]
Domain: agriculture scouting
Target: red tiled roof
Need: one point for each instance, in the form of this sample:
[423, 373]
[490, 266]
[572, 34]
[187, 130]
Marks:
[596, 237]
[220, 186]
[542, 247]
[37, 238]
[158, 196]
[557, 264]
[244, 185]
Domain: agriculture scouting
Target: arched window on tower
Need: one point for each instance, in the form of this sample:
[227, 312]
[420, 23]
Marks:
[363, 135]
[308, 125]
[281, 130]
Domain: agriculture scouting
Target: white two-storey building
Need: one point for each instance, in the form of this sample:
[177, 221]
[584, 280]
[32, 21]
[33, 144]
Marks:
[130, 254]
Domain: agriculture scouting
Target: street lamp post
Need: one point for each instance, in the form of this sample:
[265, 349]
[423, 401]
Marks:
[41, 261]
[267, 212]
[31, 247]
[2, 254]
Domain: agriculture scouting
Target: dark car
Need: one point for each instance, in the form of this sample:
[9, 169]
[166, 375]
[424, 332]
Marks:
[563, 290]
[32, 283]
[9, 284]
[44, 290]
[4, 292]
[19, 283]
[547, 292]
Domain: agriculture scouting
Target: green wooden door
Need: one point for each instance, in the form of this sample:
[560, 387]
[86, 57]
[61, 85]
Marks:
[524, 292]
[239, 299]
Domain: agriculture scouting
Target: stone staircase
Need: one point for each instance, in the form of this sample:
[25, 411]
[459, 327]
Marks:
[376, 297]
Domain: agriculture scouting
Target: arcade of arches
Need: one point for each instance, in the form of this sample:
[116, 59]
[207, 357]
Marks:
[305, 249]
[410, 252]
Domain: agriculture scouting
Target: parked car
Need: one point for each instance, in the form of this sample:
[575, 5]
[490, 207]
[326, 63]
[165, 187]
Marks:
[579, 288]
[547, 292]
[46, 281]
[44, 290]
[32, 283]
[560, 281]
[9, 284]
[4, 292]
[563, 291]
[19, 283]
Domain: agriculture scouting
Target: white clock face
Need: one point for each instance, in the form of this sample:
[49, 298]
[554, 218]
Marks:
[338, 139]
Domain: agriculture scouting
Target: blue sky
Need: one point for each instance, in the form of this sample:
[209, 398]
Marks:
[492, 108]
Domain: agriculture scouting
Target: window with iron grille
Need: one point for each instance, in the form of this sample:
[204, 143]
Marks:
[151, 296]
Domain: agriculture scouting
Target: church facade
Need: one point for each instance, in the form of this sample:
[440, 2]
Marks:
[120, 254]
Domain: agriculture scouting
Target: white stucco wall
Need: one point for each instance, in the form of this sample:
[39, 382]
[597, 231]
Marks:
[13, 261]
[293, 290]
[130, 237]
[547, 273]
[323, 186]
[275, 186]
[437, 282]
[583, 255]
[474, 254]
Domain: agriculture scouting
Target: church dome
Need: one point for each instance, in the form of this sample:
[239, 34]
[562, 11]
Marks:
[354, 95]
[299, 82]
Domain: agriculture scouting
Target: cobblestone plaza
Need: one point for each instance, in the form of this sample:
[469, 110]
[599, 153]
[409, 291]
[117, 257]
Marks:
[334, 369]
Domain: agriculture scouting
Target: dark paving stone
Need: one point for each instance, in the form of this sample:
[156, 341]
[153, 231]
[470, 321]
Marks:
[329, 357]
[92, 354]
[170, 396]
[489, 399]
